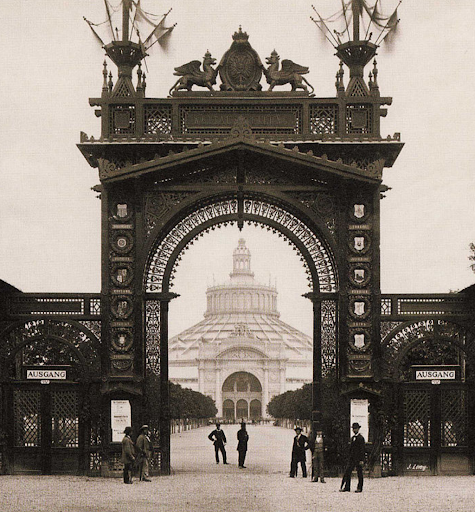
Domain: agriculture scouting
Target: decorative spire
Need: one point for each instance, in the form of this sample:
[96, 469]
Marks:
[242, 261]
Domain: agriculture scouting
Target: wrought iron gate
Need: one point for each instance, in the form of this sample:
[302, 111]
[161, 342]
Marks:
[435, 429]
[46, 429]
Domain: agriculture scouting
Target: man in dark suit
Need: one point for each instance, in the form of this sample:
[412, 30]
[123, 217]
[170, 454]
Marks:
[298, 453]
[128, 455]
[219, 440]
[243, 438]
[356, 460]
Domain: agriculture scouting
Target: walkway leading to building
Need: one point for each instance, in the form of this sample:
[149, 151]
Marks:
[200, 485]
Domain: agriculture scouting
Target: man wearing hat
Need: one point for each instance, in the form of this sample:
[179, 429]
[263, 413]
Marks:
[243, 438]
[356, 460]
[298, 453]
[128, 455]
[144, 449]
[219, 440]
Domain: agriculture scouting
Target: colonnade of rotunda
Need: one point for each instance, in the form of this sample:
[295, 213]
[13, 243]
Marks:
[241, 354]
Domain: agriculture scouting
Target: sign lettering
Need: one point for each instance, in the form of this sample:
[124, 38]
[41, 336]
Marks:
[435, 374]
[46, 374]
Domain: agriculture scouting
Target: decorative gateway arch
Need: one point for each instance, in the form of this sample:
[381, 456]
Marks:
[172, 169]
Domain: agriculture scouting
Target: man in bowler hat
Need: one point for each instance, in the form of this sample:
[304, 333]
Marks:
[356, 460]
[298, 453]
[219, 440]
[128, 455]
[243, 438]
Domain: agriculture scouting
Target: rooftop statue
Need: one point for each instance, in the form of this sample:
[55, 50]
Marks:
[191, 74]
[290, 73]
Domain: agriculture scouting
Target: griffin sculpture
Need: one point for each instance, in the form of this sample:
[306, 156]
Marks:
[290, 73]
[190, 74]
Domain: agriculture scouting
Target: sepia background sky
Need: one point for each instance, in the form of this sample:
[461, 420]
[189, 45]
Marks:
[50, 219]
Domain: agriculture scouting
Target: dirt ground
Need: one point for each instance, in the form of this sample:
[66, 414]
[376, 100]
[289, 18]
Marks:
[198, 484]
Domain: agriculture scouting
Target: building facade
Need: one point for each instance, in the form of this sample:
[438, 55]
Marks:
[241, 354]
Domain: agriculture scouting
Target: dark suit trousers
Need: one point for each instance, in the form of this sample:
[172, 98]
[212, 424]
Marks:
[217, 448]
[128, 472]
[294, 464]
[242, 457]
[345, 483]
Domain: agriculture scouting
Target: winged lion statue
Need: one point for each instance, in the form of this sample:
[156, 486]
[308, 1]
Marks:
[291, 73]
[190, 74]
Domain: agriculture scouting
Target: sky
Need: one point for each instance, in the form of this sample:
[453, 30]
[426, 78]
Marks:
[50, 219]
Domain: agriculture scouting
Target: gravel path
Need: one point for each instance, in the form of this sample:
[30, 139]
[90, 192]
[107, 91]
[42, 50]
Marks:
[198, 484]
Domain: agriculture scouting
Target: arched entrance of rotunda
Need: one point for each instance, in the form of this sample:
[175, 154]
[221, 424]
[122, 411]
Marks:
[242, 397]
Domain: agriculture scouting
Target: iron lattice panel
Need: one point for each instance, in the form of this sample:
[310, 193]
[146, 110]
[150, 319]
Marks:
[27, 417]
[95, 306]
[417, 418]
[64, 419]
[156, 461]
[227, 115]
[115, 462]
[157, 119]
[386, 462]
[47, 328]
[329, 336]
[95, 462]
[152, 339]
[385, 306]
[359, 119]
[324, 119]
[122, 120]
[454, 417]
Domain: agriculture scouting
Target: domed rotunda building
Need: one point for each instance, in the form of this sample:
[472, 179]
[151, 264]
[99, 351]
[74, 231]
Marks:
[241, 354]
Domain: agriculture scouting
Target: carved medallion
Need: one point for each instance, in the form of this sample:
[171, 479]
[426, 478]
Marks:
[122, 274]
[121, 212]
[359, 212]
[122, 242]
[121, 307]
[240, 68]
[359, 339]
[359, 242]
[122, 340]
[359, 308]
[359, 274]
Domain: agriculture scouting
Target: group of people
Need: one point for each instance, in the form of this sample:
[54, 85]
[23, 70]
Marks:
[300, 445]
[219, 440]
[136, 455]
[315, 445]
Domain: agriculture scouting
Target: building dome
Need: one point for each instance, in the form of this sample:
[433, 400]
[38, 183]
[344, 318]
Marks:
[241, 339]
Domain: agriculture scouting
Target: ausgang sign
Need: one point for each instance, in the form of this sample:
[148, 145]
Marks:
[422, 373]
[41, 374]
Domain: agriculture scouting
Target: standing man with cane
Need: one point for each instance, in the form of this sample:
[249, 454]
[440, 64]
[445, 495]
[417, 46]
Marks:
[356, 460]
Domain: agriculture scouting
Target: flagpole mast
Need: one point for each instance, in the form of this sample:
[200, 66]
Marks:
[356, 21]
[125, 20]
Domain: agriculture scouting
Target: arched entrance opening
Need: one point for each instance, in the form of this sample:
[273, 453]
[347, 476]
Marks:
[255, 409]
[228, 410]
[309, 236]
[242, 408]
[242, 389]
